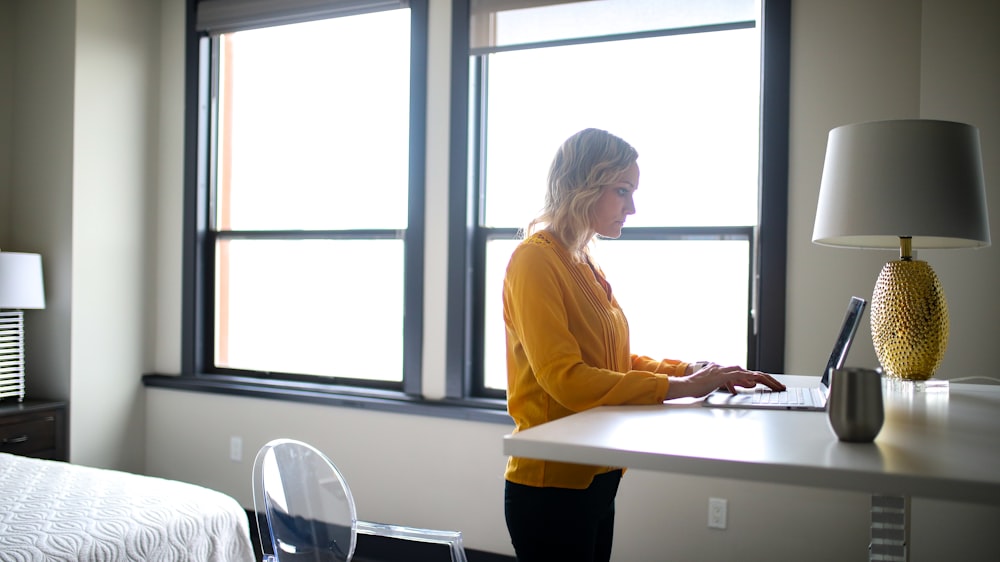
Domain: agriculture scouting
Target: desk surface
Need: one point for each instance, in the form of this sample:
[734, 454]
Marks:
[940, 444]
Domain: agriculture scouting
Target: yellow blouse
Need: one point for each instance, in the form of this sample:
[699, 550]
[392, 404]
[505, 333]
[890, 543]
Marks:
[568, 351]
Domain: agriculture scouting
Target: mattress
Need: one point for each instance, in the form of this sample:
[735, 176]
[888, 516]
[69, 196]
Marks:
[55, 511]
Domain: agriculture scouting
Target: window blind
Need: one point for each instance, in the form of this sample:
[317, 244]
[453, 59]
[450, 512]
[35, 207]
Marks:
[224, 16]
[478, 7]
[573, 19]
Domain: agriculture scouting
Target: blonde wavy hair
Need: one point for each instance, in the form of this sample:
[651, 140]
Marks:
[586, 161]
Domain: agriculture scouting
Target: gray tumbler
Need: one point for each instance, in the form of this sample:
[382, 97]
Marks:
[855, 405]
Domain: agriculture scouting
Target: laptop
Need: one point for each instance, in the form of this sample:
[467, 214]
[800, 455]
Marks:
[794, 397]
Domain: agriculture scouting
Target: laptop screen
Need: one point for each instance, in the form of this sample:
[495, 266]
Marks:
[855, 309]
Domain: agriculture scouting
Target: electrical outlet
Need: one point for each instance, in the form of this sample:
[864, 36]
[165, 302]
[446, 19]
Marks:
[236, 448]
[717, 513]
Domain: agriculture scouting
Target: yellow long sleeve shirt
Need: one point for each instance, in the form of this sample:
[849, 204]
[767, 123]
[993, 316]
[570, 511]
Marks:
[568, 351]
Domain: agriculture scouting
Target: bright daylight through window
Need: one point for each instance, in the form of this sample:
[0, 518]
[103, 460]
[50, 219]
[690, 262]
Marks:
[681, 82]
[323, 208]
[310, 197]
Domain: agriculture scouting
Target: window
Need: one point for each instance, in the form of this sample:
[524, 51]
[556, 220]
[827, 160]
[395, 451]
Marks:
[305, 163]
[682, 82]
[311, 171]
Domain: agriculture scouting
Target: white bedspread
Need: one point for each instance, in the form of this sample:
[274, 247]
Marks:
[54, 511]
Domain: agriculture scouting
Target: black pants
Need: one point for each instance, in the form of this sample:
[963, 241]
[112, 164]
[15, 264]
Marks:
[548, 524]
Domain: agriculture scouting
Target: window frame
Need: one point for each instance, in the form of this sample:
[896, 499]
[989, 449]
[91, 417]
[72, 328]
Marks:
[467, 252]
[197, 360]
[460, 401]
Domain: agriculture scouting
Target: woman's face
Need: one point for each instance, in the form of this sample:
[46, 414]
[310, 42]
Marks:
[615, 204]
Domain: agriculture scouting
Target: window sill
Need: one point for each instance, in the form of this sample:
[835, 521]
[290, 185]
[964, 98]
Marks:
[482, 410]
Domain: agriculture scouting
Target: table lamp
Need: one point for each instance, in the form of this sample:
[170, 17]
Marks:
[20, 288]
[907, 184]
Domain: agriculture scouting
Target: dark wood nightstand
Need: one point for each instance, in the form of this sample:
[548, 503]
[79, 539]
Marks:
[34, 428]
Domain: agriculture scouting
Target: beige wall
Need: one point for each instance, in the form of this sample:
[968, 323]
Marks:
[84, 93]
[97, 115]
[856, 61]
[6, 112]
[114, 217]
[41, 50]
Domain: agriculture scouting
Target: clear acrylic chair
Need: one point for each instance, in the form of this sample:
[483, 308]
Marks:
[310, 511]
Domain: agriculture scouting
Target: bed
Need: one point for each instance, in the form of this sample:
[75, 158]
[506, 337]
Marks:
[55, 511]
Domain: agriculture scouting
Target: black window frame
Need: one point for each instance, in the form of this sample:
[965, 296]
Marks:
[766, 318]
[200, 358]
[462, 399]
[197, 361]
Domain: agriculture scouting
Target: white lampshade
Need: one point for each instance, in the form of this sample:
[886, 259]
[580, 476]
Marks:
[21, 284]
[917, 178]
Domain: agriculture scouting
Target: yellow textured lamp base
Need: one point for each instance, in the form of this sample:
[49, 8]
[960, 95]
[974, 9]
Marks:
[909, 320]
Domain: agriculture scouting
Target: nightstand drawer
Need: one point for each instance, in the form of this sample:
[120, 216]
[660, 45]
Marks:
[28, 436]
[34, 428]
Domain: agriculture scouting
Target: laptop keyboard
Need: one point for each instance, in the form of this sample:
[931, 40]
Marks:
[793, 395]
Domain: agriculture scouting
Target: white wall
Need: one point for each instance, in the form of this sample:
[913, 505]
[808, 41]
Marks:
[82, 169]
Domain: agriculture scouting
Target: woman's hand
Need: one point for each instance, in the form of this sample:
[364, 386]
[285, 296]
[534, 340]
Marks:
[711, 376]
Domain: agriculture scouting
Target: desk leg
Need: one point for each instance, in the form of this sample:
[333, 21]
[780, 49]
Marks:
[890, 530]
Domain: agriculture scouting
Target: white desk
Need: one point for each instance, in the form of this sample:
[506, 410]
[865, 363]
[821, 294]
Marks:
[938, 444]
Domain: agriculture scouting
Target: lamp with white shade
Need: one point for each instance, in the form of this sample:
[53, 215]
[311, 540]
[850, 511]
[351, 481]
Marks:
[21, 288]
[907, 184]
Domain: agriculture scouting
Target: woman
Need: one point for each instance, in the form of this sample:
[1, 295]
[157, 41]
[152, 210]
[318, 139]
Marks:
[568, 350]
